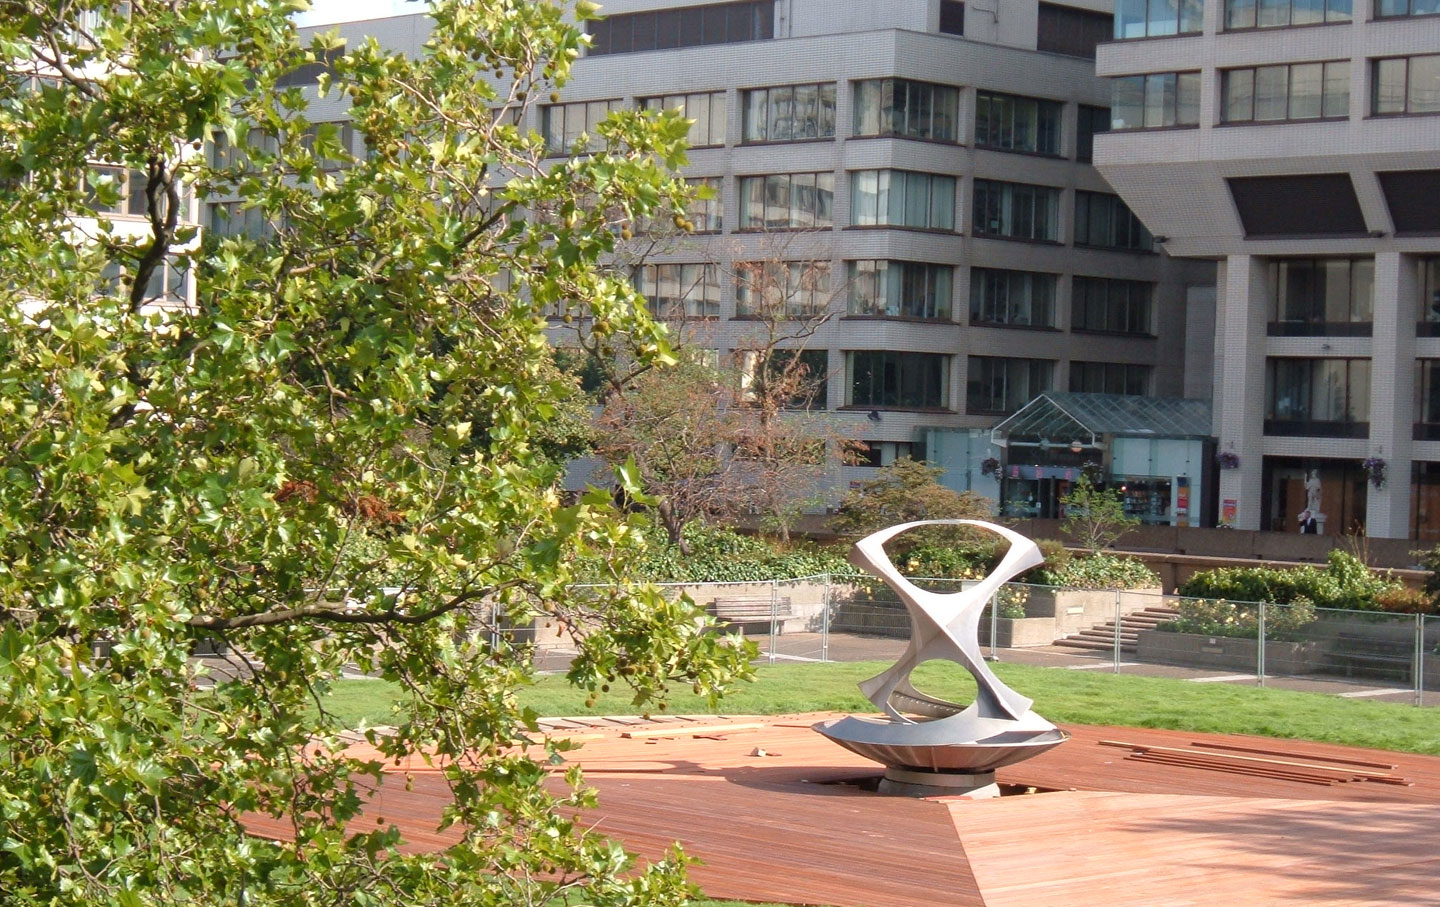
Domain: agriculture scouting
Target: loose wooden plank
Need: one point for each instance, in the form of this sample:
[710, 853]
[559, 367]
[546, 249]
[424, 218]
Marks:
[1390, 766]
[691, 731]
[1141, 747]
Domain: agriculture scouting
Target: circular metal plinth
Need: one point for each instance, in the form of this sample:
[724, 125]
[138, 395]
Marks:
[904, 782]
[882, 741]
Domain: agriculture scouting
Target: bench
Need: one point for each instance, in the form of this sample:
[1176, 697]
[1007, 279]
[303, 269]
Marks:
[754, 612]
[1367, 656]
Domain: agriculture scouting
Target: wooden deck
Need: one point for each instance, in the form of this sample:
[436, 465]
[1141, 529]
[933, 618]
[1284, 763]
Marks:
[781, 827]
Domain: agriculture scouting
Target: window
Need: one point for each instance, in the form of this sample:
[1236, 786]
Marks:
[1323, 398]
[167, 283]
[707, 214]
[789, 113]
[1316, 204]
[1070, 31]
[1385, 9]
[782, 289]
[902, 198]
[230, 219]
[1406, 85]
[1155, 101]
[787, 201]
[1017, 211]
[1090, 122]
[1428, 295]
[116, 190]
[876, 454]
[1017, 124]
[996, 385]
[1300, 91]
[1013, 298]
[900, 289]
[1104, 220]
[681, 290]
[952, 17]
[881, 378]
[793, 379]
[899, 107]
[1427, 403]
[1410, 195]
[706, 110]
[716, 23]
[344, 135]
[1321, 296]
[1155, 18]
[1111, 306]
[563, 124]
[1278, 13]
[1109, 378]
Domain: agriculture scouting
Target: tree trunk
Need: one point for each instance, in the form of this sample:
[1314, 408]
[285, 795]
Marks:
[674, 527]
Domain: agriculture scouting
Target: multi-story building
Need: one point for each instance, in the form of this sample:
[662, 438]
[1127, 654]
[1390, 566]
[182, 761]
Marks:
[1295, 143]
[919, 171]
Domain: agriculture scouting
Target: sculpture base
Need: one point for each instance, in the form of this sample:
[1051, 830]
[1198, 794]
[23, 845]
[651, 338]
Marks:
[904, 782]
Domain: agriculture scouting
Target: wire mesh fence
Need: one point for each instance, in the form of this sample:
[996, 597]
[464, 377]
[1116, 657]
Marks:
[832, 617]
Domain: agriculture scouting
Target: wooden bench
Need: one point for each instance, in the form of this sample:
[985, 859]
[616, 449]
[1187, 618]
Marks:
[1371, 657]
[752, 612]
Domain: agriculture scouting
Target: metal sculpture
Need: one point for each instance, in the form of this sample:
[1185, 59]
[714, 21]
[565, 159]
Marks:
[928, 743]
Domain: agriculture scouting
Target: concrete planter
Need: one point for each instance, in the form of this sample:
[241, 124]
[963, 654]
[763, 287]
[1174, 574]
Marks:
[1228, 654]
[1020, 632]
[1073, 610]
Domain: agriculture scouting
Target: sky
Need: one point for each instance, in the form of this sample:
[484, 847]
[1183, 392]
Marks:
[328, 12]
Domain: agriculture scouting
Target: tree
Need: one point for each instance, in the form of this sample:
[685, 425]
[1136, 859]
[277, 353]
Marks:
[908, 491]
[373, 365]
[1094, 516]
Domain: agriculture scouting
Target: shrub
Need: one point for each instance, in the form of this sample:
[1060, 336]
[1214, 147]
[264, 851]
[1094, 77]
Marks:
[1096, 571]
[723, 555]
[972, 560]
[1217, 617]
[1403, 600]
[1344, 583]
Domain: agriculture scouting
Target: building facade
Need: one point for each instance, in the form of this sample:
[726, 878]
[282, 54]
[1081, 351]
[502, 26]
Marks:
[1294, 142]
[914, 179]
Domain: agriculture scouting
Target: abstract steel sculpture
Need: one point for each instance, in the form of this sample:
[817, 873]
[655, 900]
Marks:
[928, 743]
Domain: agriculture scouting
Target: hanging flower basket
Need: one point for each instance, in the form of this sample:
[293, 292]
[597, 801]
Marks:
[1375, 467]
[989, 466]
[1228, 459]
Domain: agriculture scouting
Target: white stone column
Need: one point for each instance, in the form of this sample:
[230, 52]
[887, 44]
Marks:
[1240, 384]
[1392, 394]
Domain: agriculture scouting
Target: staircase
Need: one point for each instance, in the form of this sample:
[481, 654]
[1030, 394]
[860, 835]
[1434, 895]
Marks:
[1101, 637]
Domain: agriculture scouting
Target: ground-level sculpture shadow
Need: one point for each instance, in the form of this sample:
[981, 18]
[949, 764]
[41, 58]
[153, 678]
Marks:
[924, 742]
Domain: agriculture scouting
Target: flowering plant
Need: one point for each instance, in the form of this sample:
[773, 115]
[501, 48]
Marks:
[1228, 459]
[989, 466]
[1375, 466]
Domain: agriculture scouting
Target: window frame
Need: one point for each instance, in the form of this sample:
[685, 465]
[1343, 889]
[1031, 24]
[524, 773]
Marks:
[858, 101]
[766, 180]
[1005, 201]
[747, 96]
[936, 304]
[986, 100]
[1227, 75]
[890, 366]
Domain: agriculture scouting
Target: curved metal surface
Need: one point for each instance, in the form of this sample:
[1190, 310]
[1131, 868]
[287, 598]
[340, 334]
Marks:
[998, 728]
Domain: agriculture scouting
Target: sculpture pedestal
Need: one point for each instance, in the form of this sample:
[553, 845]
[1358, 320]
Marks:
[904, 782]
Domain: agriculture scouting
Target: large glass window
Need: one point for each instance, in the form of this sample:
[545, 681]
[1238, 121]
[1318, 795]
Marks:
[707, 214]
[900, 289]
[1326, 398]
[1406, 85]
[1017, 124]
[1321, 296]
[782, 289]
[1070, 31]
[1109, 378]
[1156, 18]
[1090, 122]
[952, 17]
[1104, 220]
[1017, 210]
[789, 113]
[1012, 298]
[1278, 13]
[564, 124]
[1387, 8]
[1427, 403]
[716, 23]
[1155, 101]
[1111, 306]
[680, 290]
[706, 110]
[800, 377]
[902, 198]
[787, 201]
[115, 190]
[1428, 296]
[883, 378]
[999, 385]
[1300, 91]
[900, 107]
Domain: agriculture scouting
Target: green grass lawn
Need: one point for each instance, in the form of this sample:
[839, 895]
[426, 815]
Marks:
[1079, 697]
